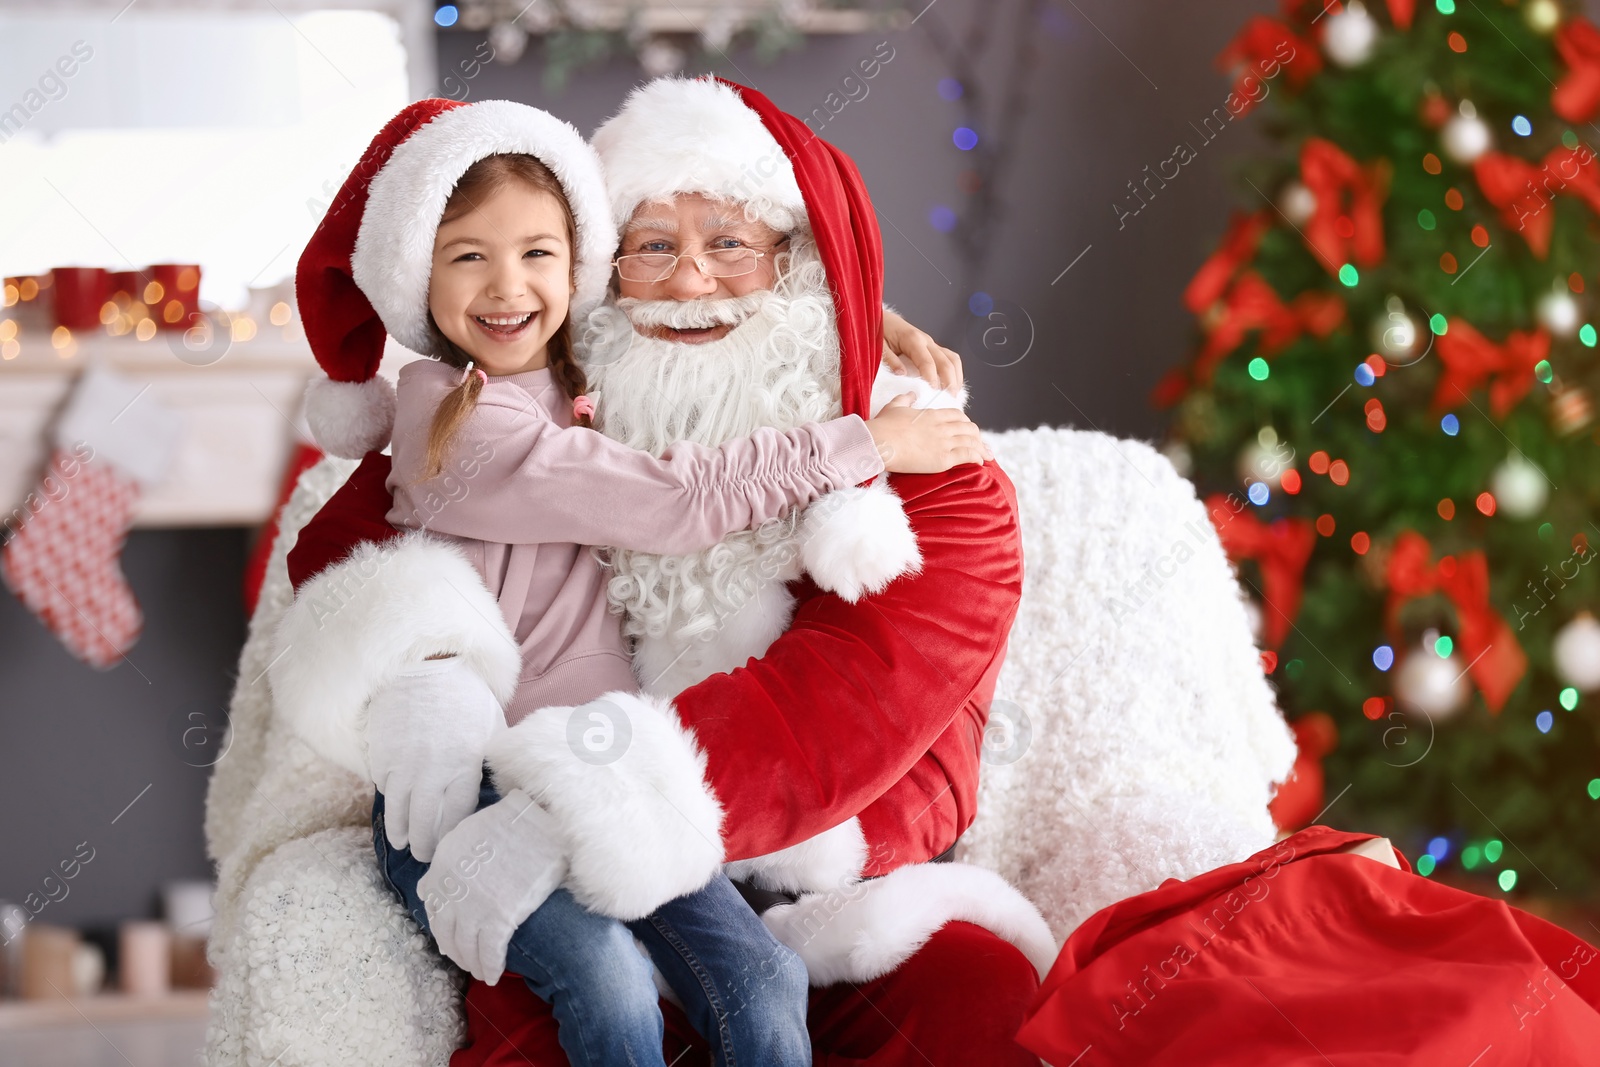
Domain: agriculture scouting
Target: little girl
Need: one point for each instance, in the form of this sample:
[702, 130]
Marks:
[493, 447]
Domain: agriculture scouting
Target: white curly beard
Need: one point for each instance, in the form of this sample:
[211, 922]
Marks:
[779, 367]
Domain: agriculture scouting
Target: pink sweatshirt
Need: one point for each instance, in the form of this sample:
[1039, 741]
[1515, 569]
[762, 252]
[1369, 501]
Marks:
[525, 492]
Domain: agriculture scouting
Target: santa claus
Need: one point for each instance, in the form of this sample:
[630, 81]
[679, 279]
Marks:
[833, 736]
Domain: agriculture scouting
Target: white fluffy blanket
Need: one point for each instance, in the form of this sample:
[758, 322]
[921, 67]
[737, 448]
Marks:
[1134, 737]
[1150, 745]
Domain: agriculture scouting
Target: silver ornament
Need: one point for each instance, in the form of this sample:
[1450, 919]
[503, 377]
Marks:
[1431, 684]
[1395, 334]
[509, 41]
[1465, 137]
[1297, 203]
[1558, 312]
[1577, 652]
[1520, 488]
[1348, 35]
[1264, 459]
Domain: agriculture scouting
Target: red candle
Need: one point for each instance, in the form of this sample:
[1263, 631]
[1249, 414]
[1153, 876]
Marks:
[178, 301]
[80, 293]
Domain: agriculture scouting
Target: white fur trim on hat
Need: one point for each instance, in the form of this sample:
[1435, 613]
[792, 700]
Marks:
[393, 257]
[350, 419]
[694, 135]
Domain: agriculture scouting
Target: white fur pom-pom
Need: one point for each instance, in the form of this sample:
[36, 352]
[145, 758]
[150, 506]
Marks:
[350, 419]
[856, 540]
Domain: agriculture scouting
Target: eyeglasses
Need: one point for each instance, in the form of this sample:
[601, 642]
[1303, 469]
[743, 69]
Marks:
[659, 266]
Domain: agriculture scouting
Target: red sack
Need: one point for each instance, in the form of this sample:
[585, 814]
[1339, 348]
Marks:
[1300, 955]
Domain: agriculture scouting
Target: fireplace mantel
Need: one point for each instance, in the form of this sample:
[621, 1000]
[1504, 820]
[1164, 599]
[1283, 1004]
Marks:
[240, 415]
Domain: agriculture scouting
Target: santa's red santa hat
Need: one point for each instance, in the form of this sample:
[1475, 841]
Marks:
[674, 136]
[709, 136]
[366, 270]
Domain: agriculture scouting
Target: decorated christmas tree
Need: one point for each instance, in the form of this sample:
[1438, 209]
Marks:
[1391, 414]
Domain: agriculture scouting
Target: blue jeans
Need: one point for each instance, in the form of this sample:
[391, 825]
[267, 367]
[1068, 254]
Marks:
[744, 991]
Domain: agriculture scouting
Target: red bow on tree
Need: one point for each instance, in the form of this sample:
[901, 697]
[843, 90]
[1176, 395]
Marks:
[1252, 304]
[1576, 172]
[1577, 98]
[1495, 659]
[1346, 226]
[1521, 191]
[1470, 359]
[1172, 387]
[1238, 248]
[1259, 47]
[1509, 184]
[1280, 548]
[1401, 12]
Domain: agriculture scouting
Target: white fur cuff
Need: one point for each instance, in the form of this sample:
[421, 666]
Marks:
[359, 623]
[887, 385]
[866, 930]
[832, 859]
[627, 783]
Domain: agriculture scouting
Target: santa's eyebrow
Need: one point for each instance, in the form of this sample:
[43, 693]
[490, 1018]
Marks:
[664, 225]
[723, 222]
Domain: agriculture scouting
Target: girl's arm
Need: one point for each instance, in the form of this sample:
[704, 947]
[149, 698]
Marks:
[517, 477]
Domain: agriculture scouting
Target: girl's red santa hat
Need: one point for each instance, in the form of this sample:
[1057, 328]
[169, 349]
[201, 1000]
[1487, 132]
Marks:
[721, 140]
[366, 270]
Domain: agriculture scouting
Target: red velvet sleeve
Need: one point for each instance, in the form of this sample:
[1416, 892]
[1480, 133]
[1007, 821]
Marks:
[854, 696]
[356, 513]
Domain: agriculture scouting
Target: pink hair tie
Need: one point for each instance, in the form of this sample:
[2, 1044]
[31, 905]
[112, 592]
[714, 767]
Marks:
[583, 406]
[469, 370]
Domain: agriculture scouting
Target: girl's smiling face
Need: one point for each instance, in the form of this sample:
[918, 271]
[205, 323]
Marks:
[502, 278]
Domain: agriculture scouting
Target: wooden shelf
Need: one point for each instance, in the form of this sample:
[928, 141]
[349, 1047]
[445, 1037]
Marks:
[240, 412]
[103, 1008]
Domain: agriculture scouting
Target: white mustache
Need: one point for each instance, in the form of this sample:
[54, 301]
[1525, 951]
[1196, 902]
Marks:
[692, 314]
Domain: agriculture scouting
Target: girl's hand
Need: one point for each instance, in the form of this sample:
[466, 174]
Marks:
[925, 440]
[907, 350]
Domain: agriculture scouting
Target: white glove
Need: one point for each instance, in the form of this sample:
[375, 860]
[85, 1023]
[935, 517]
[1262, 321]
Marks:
[491, 872]
[426, 735]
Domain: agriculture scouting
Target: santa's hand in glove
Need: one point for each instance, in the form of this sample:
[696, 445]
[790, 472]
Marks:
[490, 873]
[426, 734]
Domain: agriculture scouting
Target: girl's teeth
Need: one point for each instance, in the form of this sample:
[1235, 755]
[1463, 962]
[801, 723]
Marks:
[505, 320]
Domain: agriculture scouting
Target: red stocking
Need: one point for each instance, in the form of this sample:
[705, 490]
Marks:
[63, 560]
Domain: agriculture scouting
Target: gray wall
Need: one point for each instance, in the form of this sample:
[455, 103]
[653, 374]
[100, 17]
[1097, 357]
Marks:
[78, 746]
[1106, 330]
